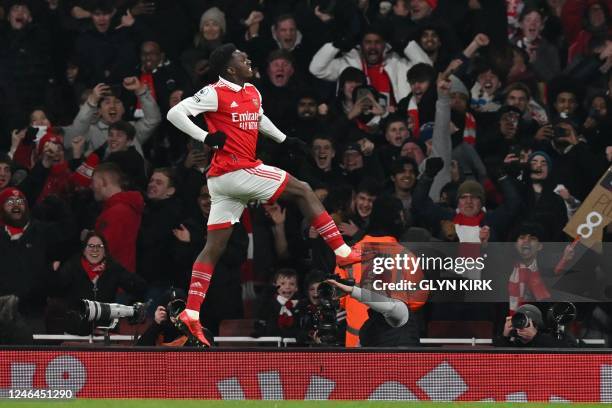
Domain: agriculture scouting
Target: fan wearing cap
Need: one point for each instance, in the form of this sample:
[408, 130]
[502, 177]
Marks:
[385, 70]
[470, 216]
[534, 334]
[525, 281]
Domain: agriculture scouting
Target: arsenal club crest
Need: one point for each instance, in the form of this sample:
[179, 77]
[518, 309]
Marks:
[255, 102]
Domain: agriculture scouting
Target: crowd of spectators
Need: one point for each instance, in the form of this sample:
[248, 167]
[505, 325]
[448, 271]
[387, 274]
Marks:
[100, 196]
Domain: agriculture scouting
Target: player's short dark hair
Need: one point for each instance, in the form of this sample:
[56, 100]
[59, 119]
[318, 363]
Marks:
[397, 166]
[125, 127]
[421, 72]
[220, 58]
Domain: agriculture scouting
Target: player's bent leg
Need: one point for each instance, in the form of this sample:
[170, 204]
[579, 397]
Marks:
[203, 269]
[314, 212]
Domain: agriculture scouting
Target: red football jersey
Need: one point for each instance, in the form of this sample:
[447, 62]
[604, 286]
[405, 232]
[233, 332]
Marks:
[235, 111]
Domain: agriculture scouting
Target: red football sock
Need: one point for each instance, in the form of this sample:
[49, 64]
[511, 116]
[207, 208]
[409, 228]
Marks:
[200, 280]
[327, 229]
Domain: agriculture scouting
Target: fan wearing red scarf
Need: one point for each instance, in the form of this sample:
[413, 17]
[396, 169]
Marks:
[473, 224]
[92, 274]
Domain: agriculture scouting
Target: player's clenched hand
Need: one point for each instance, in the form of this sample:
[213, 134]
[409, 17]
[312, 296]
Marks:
[215, 139]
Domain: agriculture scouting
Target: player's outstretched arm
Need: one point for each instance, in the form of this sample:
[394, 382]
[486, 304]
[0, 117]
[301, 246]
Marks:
[179, 117]
[270, 130]
[205, 100]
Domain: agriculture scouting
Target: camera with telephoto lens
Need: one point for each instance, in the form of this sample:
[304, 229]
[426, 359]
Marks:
[520, 321]
[324, 319]
[110, 313]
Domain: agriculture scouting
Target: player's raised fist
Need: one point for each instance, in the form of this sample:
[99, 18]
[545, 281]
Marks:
[215, 139]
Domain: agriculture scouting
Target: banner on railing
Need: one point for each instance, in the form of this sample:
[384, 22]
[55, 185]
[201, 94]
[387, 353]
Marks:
[449, 376]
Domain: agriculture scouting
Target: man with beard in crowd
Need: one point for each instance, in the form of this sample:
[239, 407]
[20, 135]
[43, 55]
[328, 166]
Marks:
[24, 250]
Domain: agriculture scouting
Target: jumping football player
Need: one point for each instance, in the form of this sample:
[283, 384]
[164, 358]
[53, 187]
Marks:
[232, 110]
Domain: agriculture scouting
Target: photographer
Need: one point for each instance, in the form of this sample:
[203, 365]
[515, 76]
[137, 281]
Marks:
[526, 329]
[163, 332]
[321, 320]
[388, 323]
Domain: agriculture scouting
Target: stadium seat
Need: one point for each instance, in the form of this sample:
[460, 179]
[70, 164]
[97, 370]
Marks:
[236, 327]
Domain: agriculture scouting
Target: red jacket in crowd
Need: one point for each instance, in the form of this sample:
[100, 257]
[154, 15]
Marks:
[119, 223]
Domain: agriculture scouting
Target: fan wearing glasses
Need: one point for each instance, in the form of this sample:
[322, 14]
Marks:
[92, 274]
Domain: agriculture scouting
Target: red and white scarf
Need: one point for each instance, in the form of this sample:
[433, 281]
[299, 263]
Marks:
[413, 113]
[468, 232]
[468, 228]
[285, 316]
[15, 232]
[469, 132]
[525, 280]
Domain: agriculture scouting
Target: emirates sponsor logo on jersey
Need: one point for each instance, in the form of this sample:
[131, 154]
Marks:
[247, 120]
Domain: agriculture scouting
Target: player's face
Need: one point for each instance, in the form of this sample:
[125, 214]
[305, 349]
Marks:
[241, 65]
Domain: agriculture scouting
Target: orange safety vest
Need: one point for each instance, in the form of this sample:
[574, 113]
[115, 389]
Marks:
[357, 312]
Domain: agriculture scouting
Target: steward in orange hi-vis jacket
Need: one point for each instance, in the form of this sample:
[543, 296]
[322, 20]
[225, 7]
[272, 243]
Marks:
[381, 241]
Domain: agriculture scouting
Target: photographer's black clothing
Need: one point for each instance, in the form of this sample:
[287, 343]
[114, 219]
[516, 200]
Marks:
[160, 335]
[376, 332]
[541, 339]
